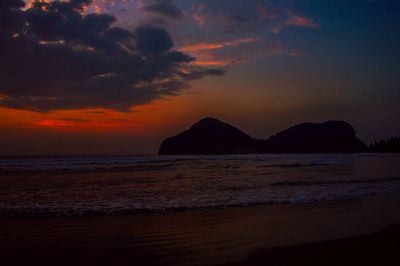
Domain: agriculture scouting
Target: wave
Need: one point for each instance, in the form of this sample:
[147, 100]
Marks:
[118, 208]
[124, 185]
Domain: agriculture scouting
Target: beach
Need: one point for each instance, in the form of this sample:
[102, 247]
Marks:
[375, 249]
[328, 233]
[199, 133]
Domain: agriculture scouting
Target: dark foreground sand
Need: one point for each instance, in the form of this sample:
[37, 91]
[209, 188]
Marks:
[381, 248]
[376, 249]
[364, 230]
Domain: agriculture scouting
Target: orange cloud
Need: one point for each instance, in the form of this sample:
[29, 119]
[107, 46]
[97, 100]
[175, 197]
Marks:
[201, 47]
[29, 4]
[215, 46]
[300, 21]
[146, 120]
[143, 121]
[296, 21]
[214, 55]
[97, 8]
[102, 125]
[200, 19]
[198, 16]
[220, 63]
[54, 123]
[211, 63]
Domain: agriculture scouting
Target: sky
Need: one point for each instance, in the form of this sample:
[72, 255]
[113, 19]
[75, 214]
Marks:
[119, 76]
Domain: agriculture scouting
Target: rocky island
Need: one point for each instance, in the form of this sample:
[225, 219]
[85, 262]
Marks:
[212, 136]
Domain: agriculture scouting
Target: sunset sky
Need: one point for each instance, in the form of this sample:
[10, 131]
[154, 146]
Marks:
[118, 76]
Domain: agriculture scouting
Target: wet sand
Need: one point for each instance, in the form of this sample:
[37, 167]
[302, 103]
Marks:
[258, 235]
[380, 248]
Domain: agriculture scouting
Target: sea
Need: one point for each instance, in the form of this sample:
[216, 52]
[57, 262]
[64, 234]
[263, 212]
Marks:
[43, 186]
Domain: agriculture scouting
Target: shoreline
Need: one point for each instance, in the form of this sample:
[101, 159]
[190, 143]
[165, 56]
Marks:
[6, 214]
[12, 215]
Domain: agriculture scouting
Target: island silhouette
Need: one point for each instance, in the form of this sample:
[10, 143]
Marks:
[212, 136]
[387, 146]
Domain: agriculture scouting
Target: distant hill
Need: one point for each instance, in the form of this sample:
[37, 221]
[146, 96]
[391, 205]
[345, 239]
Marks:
[211, 136]
[389, 145]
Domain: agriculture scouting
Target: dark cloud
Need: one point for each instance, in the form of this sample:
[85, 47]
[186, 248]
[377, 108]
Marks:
[5, 4]
[235, 21]
[235, 18]
[165, 8]
[153, 40]
[53, 57]
[201, 73]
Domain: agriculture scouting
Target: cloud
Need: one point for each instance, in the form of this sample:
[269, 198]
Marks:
[77, 120]
[214, 46]
[295, 21]
[164, 8]
[198, 15]
[266, 13]
[295, 53]
[217, 54]
[153, 40]
[84, 124]
[300, 21]
[214, 62]
[200, 19]
[54, 57]
[237, 19]
[234, 22]
[54, 123]
[233, 52]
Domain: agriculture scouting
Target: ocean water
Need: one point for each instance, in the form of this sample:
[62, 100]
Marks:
[110, 185]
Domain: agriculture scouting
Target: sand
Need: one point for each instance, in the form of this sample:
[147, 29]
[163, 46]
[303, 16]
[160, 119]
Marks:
[349, 232]
[380, 248]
